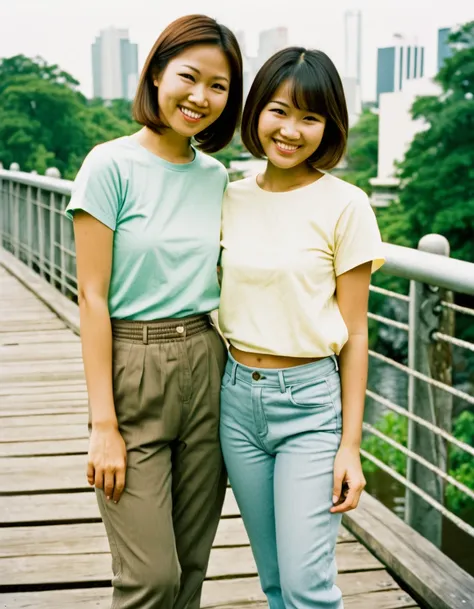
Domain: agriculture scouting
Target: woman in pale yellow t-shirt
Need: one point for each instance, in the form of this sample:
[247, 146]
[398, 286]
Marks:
[298, 249]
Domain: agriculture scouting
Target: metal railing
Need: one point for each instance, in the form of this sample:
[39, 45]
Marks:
[429, 328]
[33, 228]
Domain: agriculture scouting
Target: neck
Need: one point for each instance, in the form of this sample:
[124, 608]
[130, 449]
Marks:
[280, 180]
[168, 145]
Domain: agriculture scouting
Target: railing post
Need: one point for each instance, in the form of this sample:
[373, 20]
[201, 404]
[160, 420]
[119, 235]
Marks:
[433, 359]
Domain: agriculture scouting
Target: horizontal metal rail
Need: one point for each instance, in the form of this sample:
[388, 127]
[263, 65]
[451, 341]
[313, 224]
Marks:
[389, 293]
[452, 340]
[457, 308]
[389, 322]
[432, 269]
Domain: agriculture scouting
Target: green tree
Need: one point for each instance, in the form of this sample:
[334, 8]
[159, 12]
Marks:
[19, 65]
[233, 151]
[45, 121]
[362, 150]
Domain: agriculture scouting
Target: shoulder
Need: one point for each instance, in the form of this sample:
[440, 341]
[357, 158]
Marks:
[108, 156]
[344, 193]
[240, 193]
[243, 185]
[210, 165]
[114, 150]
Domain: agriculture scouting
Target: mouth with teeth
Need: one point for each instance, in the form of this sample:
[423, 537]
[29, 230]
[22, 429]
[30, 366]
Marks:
[190, 115]
[285, 148]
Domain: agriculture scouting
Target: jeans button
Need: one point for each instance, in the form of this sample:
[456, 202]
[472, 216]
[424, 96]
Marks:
[256, 376]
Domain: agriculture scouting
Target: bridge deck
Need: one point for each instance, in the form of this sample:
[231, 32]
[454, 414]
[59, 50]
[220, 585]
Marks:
[53, 549]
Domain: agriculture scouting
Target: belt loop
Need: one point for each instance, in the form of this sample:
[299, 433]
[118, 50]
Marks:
[336, 362]
[281, 379]
[145, 334]
[233, 374]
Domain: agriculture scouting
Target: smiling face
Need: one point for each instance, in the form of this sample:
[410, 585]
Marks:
[289, 135]
[193, 89]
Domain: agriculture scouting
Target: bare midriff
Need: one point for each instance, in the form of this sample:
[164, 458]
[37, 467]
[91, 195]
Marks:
[263, 360]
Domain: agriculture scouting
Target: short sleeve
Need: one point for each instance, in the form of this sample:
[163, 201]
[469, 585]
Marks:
[357, 238]
[96, 189]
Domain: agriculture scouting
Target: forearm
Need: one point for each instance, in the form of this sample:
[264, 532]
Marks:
[96, 338]
[353, 363]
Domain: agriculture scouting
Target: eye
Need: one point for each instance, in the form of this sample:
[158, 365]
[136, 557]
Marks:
[314, 119]
[219, 87]
[278, 111]
[187, 77]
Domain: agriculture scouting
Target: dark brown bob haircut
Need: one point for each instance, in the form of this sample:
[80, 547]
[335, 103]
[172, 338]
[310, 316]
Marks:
[181, 34]
[315, 86]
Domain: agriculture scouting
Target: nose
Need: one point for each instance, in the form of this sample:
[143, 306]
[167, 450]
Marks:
[290, 131]
[198, 96]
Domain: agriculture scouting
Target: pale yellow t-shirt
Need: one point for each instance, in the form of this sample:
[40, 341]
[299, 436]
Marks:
[281, 254]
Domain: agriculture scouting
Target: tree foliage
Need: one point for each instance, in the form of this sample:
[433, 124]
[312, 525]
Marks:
[45, 121]
[362, 151]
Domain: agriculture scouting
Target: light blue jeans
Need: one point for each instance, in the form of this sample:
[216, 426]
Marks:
[280, 430]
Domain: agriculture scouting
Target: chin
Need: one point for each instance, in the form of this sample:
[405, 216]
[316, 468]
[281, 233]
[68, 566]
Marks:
[190, 132]
[284, 163]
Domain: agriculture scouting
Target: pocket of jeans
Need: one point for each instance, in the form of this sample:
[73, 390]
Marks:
[225, 379]
[334, 386]
[314, 393]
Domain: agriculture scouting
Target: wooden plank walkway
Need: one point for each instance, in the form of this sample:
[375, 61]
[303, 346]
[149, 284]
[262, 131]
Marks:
[53, 549]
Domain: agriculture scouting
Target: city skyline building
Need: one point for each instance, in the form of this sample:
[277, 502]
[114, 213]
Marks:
[397, 64]
[114, 65]
[352, 76]
[271, 41]
[353, 45]
[444, 50]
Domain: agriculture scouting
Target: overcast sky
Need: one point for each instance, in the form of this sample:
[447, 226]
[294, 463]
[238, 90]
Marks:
[62, 31]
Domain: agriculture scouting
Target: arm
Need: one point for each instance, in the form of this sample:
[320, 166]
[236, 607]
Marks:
[352, 292]
[107, 452]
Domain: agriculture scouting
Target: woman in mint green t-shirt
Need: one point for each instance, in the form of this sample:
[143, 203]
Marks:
[147, 212]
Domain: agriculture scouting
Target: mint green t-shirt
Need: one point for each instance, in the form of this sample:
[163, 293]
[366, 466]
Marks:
[166, 222]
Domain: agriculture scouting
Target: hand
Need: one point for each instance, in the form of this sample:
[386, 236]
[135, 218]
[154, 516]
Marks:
[107, 461]
[349, 481]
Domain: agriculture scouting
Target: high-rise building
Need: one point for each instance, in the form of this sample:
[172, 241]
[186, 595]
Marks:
[351, 79]
[396, 64]
[353, 45]
[444, 50]
[397, 128]
[240, 35]
[270, 42]
[114, 65]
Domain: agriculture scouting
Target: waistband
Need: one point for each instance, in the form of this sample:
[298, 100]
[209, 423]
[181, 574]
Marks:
[162, 330]
[281, 377]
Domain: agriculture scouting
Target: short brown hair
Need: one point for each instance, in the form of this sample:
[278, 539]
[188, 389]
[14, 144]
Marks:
[179, 35]
[315, 86]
